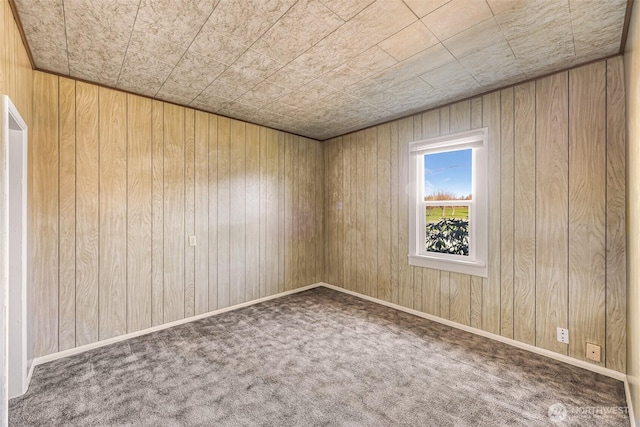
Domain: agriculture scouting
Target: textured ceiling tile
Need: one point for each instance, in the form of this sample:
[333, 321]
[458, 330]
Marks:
[257, 64]
[524, 18]
[243, 79]
[409, 41]
[177, 21]
[493, 64]
[192, 75]
[43, 25]
[95, 66]
[95, 25]
[217, 46]
[427, 60]
[452, 73]
[245, 21]
[456, 16]
[278, 44]
[49, 56]
[263, 94]
[176, 99]
[218, 90]
[556, 45]
[323, 57]
[424, 7]
[156, 47]
[381, 19]
[481, 35]
[289, 77]
[597, 23]
[341, 77]
[346, 9]
[371, 62]
[310, 21]
[143, 72]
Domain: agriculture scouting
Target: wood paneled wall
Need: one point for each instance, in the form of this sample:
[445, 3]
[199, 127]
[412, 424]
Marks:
[632, 84]
[122, 182]
[556, 222]
[16, 80]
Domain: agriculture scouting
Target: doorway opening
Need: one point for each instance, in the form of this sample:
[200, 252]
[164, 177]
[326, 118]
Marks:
[19, 357]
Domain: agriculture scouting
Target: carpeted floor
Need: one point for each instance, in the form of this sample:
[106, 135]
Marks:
[319, 357]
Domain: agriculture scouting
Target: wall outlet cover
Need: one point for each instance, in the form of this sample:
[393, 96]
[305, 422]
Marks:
[563, 335]
[594, 352]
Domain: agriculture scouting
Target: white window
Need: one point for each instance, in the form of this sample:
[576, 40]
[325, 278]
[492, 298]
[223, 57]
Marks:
[448, 209]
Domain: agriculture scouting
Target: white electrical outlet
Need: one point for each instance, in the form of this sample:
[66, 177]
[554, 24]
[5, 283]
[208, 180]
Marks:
[593, 352]
[563, 335]
[192, 240]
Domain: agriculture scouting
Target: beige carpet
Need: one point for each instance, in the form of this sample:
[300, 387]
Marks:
[315, 358]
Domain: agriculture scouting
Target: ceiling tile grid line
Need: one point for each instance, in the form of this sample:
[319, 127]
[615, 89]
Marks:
[321, 67]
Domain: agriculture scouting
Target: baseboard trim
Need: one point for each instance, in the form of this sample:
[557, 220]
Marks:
[627, 392]
[541, 351]
[78, 350]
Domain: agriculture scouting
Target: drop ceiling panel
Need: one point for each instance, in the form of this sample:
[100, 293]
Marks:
[319, 68]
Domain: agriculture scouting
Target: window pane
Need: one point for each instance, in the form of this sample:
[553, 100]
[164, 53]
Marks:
[447, 230]
[447, 176]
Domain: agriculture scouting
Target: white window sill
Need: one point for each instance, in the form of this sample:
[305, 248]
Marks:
[455, 266]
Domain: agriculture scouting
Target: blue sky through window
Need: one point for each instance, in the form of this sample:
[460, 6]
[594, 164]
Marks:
[448, 172]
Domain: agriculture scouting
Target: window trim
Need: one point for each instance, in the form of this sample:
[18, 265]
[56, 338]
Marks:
[476, 262]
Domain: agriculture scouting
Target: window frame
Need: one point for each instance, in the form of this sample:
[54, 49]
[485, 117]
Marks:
[476, 262]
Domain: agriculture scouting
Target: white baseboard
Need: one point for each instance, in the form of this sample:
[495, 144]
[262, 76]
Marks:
[98, 344]
[627, 392]
[541, 351]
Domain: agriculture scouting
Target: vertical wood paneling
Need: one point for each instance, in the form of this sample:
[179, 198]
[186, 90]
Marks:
[113, 214]
[224, 218]
[174, 199]
[405, 291]
[237, 213]
[587, 198]
[202, 201]
[67, 214]
[383, 203]
[214, 209]
[157, 213]
[396, 187]
[349, 208]
[360, 250]
[616, 297]
[476, 282]
[475, 316]
[524, 234]
[332, 167]
[44, 210]
[370, 218]
[120, 182]
[527, 293]
[460, 302]
[87, 213]
[416, 272]
[282, 224]
[288, 207]
[491, 285]
[252, 236]
[189, 212]
[273, 231]
[506, 211]
[552, 192]
[139, 201]
[263, 219]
